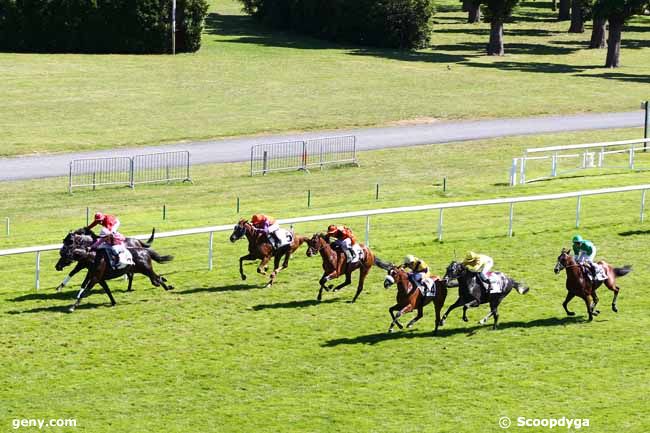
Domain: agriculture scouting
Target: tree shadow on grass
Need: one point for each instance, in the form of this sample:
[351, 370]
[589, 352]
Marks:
[508, 32]
[294, 304]
[510, 48]
[470, 331]
[227, 288]
[546, 68]
[619, 76]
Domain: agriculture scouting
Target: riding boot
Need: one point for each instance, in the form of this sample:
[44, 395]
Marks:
[349, 255]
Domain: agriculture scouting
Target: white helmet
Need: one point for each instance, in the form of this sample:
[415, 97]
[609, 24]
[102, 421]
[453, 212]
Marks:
[409, 259]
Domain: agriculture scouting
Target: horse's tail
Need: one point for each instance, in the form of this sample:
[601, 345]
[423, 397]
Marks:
[621, 272]
[521, 288]
[150, 240]
[382, 264]
[160, 259]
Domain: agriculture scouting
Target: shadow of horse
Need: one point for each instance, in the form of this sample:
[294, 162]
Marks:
[228, 288]
[294, 304]
[372, 339]
[58, 309]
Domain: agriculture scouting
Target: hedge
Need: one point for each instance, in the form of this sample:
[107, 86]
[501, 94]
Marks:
[99, 26]
[383, 23]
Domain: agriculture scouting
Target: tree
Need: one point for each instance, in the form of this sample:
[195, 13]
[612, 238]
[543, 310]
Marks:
[617, 12]
[599, 33]
[496, 12]
[473, 11]
[581, 10]
[565, 10]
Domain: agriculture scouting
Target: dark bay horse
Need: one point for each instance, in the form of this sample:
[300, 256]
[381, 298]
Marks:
[472, 293]
[259, 248]
[85, 240]
[100, 270]
[577, 283]
[335, 264]
[410, 298]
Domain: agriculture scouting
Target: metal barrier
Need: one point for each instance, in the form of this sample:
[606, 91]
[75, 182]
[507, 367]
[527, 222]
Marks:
[149, 168]
[161, 167]
[613, 154]
[302, 155]
[367, 214]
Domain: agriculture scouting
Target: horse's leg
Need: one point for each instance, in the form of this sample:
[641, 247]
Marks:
[470, 304]
[72, 273]
[108, 292]
[453, 306]
[418, 316]
[276, 269]
[565, 304]
[348, 280]
[322, 282]
[596, 300]
[494, 305]
[394, 318]
[589, 302]
[399, 314]
[363, 273]
[614, 307]
[130, 278]
[81, 294]
[156, 279]
[263, 266]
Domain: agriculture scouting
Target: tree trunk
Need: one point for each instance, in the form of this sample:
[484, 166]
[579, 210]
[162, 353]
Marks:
[565, 10]
[554, 5]
[614, 43]
[495, 47]
[466, 5]
[577, 20]
[474, 14]
[598, 34]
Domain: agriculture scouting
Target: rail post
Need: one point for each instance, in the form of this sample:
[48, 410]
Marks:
[513, 172]
[38, 270]
[522, 169]
[210, 250]
[8, 225]
[70, 179]
[440, 226]
[645, 124]
[265, 162]
[642, 204]
[368, 230]
[632, 157]
[554, 165]
[512, 211]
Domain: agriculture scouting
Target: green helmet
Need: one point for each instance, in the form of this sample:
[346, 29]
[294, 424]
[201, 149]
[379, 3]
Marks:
[578, 239]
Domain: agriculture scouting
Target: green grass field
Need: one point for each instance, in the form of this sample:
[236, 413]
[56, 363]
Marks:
[248, 80]
[221, 355]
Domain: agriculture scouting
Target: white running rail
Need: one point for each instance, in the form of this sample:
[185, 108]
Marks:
[367, 214]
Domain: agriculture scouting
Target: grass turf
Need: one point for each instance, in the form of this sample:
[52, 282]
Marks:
[250, 80]
[219, 354]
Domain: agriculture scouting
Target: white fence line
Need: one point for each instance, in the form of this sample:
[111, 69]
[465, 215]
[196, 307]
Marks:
[367, 214]
[595, 158]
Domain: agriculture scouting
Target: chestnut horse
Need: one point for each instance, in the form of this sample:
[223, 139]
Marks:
[335, 264]
[577, 283]
[259, 248]
[410, 298]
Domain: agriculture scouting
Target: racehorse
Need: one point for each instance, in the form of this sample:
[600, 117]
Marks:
[259, 248]
[410, 298]
[577, 283]
[472, 293]
[87, 238]
[101, 270]
[335, 264]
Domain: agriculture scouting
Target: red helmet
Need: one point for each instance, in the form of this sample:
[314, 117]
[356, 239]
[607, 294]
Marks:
[331, 229]
[257, 218]
[99, 216]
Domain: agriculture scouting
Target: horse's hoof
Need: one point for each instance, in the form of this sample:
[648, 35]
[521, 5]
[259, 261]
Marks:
[243, 277]
[409, 326]
[596, 312]
[170, 287]
[481, 322]
[390, 330]
[570, 313]
[71, 309]
[465, 319]
[614, 309]
[58, 289]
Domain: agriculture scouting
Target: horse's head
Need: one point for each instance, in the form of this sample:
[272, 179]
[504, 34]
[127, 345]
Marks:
[563, 260]
[67, 255]
[396, 275]
[454, 270]
[315, 244]
[239, 231]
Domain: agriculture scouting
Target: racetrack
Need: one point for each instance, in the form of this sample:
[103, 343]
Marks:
[238, 149]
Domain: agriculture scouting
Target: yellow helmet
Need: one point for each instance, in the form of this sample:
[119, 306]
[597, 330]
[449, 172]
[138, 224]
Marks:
[471, 256]
[409, 259]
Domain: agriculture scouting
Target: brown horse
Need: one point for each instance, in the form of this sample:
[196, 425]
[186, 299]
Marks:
[577, 283]
[259, 248]
[409, 298]
[335, 264]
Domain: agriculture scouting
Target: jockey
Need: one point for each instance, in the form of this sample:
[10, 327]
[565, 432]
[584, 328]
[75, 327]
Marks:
[109, 233]
[268, 226]
[344, 240]
[481, 264]
[419, 269]
[110, 236]
[585, 251]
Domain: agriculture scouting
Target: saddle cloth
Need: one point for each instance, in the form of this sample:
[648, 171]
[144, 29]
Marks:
[498, 281]
[284, 236]
[601, 275]
[428, 287]
[358, 253]
[120, 256]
